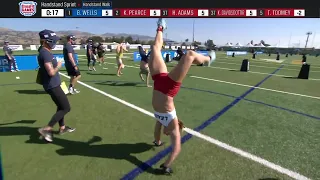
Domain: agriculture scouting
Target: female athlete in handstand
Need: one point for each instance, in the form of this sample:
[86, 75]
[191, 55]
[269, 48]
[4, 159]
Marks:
[166, 86]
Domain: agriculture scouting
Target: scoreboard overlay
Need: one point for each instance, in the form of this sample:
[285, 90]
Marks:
[155, 9]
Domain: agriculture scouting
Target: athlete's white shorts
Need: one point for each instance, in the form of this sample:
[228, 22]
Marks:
[119, 61]
[165, 118]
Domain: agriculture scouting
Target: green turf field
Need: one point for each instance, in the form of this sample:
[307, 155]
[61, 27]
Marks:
[278, 121]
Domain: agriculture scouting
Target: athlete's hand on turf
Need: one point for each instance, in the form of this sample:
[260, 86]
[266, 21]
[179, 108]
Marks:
[181, 125]
[59, 64]
[166, 131]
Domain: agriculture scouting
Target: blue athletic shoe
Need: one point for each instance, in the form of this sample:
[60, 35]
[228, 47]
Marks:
[162, 23]
[212, 55]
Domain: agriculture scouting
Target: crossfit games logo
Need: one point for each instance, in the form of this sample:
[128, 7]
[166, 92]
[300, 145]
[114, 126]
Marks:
[28, 8]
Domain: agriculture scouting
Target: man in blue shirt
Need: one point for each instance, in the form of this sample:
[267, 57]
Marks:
[8, 52]
[50, 79]
[90, 55]
[70, 63]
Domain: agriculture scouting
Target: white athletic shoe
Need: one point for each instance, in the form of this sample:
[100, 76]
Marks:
[162, 22]
[71, 91]
[76, 91]
[212, 55]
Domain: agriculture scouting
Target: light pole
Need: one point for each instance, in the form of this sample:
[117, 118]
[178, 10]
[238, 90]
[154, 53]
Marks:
[193, 30]
[308, 35]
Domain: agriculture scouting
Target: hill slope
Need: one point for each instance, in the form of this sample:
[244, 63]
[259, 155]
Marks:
[32, 37]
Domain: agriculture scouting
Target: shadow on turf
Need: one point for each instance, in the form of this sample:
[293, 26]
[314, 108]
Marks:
[112, 83]
[268, 179]
[107, 74]
[88, 149]
[18, 130]
[70, 148]
[18, 122]
[290, 77]
[31, 91]
[81, 70]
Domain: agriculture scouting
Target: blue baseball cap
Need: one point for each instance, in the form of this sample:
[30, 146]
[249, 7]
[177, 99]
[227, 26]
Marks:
[48, 35]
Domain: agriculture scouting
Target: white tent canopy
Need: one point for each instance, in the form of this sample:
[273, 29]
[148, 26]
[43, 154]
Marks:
[239, 44]
[249, 45]
[228, 44]
[278, 46]
[260, 45]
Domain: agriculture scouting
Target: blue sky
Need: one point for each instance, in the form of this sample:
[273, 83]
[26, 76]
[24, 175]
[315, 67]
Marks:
[221, 31]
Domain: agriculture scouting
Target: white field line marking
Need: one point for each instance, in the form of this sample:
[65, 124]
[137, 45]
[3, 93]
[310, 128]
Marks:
[240, 152]
[137, 66]
[252, 71]
[108, 54]
[263, 66]
[113, 54]
[279, 75]
[259, 60]
[266, 62]
[124, 65]
[266, 89]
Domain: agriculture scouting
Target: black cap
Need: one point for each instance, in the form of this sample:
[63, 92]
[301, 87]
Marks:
[72, 37]
[48, 35]
[6, 41]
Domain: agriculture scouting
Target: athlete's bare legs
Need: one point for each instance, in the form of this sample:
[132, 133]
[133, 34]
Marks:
[179, 72]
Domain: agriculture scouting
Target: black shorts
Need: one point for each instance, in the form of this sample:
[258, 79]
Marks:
[72, 72]
[91, 58]
[100, 55]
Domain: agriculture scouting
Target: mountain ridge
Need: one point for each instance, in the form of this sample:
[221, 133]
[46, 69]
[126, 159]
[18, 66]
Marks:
[32, 37]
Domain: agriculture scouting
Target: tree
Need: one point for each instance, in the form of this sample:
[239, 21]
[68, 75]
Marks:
[95, 39]
[150, 42]
[83, 41]
[122, 38]
[137, 41]
[108, 39]
[251, 42]
[187, 40]
[63, 40]
[114, 39]
[129, 39]
[210, 43]
[196, 43]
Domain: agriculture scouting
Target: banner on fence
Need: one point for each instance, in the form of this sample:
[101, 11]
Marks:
[15, 47]
[229, 53]
[28, 62]
[137, 57]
